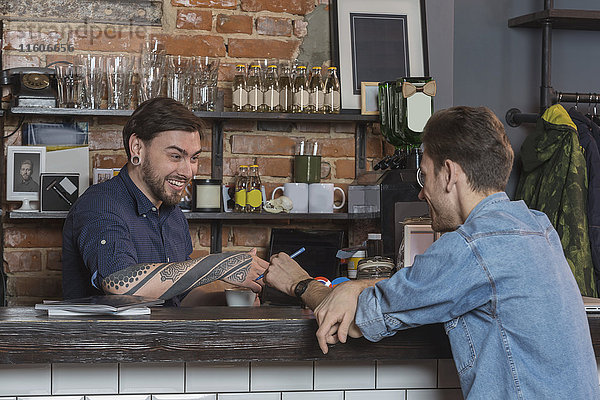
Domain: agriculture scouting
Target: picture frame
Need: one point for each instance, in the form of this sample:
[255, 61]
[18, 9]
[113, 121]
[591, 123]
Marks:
[376, 41]
[24, 165]
[368, 98]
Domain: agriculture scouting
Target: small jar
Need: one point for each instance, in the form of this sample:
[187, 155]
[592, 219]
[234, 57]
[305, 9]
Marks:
[374, 245]
[206, 195]
[375, 267]
[353, 263]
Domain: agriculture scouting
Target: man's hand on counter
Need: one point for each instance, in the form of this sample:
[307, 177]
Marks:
[335, 314]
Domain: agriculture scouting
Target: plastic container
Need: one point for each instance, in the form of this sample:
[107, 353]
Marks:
[353, 263]
[375, 267]
[374, 245]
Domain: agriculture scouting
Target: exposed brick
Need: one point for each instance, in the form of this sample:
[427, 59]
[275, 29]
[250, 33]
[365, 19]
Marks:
[232, 4]
[280, 167]
[109, 38]
[106, 139]
[300, 7]
[194, 19]
[344, 127]
[227, 23]
[320, 127]
[195, 45]
[263, 48]
[43, 235]
[273, 26]
[13, 40]
[109, 160]
[344, 169]
[45, 287]
[300, 28]
[226, 73]
[337, 147]
[231, 165]
[204, 235]
[50, 58]
[13, 61]
[54, 260]
[374, 147]
[23, 261]
[239, 126]
[277, 145]
[204, 166]
[250, 236]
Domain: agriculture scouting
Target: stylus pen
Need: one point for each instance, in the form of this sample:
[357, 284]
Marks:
[294, 255]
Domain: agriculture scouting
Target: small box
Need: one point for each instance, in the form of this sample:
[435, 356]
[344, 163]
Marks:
[363, 198]
[58, 191]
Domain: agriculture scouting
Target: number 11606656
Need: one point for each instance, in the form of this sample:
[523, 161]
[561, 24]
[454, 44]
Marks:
[46, 48]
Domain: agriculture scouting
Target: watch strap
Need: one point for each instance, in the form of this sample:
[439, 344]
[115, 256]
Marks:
[301, 287]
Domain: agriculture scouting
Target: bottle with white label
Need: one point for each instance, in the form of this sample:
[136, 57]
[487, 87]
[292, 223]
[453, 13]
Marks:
[285, 87]
[300, 88]
[332, 92]
[253, 191]
[271, 91]
[316, 89]
[254, 88]
[240, 95]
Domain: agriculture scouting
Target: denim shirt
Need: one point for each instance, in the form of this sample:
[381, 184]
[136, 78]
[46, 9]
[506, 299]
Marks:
[510, 305]
[112, 226]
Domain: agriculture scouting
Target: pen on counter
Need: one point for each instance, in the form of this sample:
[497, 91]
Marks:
[294, 255]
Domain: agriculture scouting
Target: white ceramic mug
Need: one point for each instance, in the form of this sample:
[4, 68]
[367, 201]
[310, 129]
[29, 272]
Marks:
[320, 198]
[298, 193]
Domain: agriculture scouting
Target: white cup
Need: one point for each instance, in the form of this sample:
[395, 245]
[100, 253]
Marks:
[321, 198]
[240, 297]
[298, 193]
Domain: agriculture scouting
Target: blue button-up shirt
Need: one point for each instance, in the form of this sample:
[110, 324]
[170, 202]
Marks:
[510, 305]
[112, 226]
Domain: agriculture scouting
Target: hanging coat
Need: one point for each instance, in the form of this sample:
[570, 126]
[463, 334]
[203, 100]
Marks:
[554, 181]
[587, 131]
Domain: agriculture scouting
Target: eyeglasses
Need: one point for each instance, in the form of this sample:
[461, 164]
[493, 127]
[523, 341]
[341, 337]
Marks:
[420, 179]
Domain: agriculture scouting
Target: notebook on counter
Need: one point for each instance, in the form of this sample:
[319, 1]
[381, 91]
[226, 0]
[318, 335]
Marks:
[115, 304]
[591, 304]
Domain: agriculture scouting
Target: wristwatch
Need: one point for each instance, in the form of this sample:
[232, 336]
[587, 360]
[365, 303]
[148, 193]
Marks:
[301, 287]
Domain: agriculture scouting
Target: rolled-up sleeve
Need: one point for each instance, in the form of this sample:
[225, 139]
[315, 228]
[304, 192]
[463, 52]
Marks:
[443, 283]
[104, 243]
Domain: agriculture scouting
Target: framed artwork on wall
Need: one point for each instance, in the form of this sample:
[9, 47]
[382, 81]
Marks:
[24, 164]
[377, 40]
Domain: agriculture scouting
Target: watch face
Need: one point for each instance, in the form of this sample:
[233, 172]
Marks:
[36, 81]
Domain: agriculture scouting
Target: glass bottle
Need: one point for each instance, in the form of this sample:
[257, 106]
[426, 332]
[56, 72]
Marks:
[332, 92]
[300, 89]
[240, 189]
[254, 88]
[253, 191]
[285, 88]
[271, 90]
[316, 92]
[240, 95]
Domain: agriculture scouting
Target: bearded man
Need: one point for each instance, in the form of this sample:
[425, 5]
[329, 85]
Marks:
[128, 236]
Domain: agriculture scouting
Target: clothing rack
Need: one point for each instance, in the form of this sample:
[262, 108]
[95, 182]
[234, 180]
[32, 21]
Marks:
[561, 19]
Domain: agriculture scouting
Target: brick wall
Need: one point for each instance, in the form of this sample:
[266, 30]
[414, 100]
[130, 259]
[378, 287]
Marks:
[234, 30]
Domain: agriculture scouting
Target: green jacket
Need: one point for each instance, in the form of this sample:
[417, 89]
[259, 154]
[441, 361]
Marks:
[554, 181]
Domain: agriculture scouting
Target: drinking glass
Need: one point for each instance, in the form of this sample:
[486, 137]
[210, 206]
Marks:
[96, 93]
[179, 79]
[70, 79]
[119, 70]
[152, 70]
[206, 77]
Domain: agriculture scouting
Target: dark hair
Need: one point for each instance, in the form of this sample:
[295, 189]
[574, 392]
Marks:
[159, 115]
[475, 139]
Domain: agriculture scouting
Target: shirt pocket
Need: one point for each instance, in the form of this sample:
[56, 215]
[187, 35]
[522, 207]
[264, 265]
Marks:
[463, 349]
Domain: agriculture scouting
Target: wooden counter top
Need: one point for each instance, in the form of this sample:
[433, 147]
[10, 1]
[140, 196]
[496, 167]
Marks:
[205, 334]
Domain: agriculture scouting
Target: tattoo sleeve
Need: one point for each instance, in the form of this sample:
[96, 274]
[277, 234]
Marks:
[179, 277]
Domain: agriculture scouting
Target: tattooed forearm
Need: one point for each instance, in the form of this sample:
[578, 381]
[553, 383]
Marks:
[131, 278]
[175, 270]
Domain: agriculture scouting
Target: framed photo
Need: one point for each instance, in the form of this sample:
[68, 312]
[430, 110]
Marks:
[375, 41]
[368, 98]
[24, 164]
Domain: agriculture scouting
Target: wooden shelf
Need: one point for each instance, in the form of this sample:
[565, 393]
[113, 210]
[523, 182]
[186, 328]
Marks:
[216, 115]
[560, 19]
[222, 216]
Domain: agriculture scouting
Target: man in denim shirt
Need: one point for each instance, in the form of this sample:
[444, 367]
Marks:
[497, 278]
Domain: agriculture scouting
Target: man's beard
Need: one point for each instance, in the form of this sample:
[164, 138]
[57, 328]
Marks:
[157, 185]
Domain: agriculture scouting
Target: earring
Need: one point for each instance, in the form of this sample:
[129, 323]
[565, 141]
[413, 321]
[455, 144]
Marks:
[136, 160]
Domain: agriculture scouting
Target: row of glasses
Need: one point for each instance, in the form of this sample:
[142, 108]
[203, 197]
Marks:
[122, 82]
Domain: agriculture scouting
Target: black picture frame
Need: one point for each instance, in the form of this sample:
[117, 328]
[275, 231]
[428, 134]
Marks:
[365, 48]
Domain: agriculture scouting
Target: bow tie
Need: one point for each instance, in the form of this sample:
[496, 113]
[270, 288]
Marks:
[408, 89]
